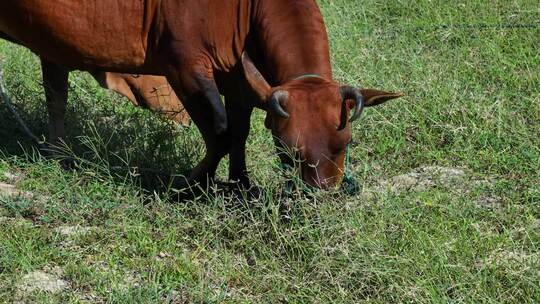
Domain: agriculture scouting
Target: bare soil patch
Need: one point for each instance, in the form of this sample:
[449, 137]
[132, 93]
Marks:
[47, 280]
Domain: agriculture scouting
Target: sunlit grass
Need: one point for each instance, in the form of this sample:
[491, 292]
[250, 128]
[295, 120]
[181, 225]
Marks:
[472, 103]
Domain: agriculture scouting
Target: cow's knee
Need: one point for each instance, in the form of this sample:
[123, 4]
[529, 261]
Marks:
[197, 83]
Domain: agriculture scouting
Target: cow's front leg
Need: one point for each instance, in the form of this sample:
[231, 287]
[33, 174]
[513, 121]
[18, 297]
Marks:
[55, 83]
[239, 115]
[203, 102]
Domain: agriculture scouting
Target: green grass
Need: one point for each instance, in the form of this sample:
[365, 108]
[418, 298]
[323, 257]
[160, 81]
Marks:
[472, 103]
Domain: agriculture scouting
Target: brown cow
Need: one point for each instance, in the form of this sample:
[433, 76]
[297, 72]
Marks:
[198, 46]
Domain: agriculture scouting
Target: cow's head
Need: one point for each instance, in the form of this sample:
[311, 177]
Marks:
[309, 117]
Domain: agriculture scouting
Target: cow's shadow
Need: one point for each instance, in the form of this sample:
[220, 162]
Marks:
[106, 134]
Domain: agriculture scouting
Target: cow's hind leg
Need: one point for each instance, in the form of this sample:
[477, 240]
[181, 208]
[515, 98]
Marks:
[55, 83]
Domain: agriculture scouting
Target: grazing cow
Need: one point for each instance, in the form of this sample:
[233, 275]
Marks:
[198, 46]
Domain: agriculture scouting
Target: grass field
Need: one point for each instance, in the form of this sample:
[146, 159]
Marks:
[449, 210]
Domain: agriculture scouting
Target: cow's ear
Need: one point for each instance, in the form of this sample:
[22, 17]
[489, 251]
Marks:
[255, 79]
[375, 97]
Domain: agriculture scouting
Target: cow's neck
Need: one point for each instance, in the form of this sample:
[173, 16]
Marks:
[291, 38]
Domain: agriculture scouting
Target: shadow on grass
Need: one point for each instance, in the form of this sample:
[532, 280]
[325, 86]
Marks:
[131, 146]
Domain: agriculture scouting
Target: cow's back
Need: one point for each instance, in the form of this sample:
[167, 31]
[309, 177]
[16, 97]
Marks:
[108, 34]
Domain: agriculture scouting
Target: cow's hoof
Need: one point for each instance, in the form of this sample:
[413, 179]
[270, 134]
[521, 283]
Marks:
[184, 190]
[58, 152]
[246, 191]
[68, 164]
[189, 189]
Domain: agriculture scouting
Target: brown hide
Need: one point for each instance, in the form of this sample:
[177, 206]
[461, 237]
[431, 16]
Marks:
[66, 31]
[294, 40]
[151, 92]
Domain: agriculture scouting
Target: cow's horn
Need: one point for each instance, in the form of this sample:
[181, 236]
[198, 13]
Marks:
[351, 93]
[275, 103]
